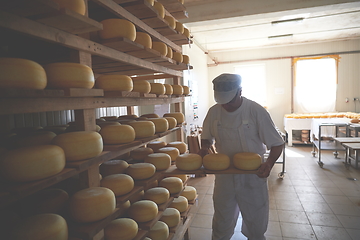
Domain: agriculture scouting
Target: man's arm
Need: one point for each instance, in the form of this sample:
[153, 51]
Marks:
[265, 168]
[205, 146]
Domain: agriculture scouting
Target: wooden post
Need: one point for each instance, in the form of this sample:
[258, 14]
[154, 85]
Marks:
[130, 110]
[179, 108]
[85, 119]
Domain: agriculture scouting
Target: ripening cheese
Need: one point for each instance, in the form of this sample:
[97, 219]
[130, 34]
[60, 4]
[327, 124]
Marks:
[32, 163]
[34, 139]
[216, 161]
[161, 161]
[186, 90]
[171, 216]
[160, 9]
[172, 151]
[173, 184]
[143, 211]
[247, 161]
[186, 32]
[117, 134]
[141, 86]
[114, 82]
[120, 184]
[21, 73]
[116, 28]
[113, 167]
[179, 27]
[178, 57]
[129, 116]
[79, 145]
[188, 161]
[181, 146]
[150, 115]
[161, 124]
[156, 145]
[180, 118]
[168, 89]
[140, 153]
[140, 171]
[160, 231]
[189, 192]
[157, 88]
[186, 59]
[143, 128]
[180, 203]
[109, 118]
[136, 197]
[41, 226]
[160, 47]
[183, 177]
[159, 195]
[123, 207]
[171, 21]
[69, 75]
[108, 123]
[121, 228]
[74, 5]
[172, 122]
[169, 52]
[177, 89]
[92, 204]
[151, 2]
[152, 184]
[143, 39]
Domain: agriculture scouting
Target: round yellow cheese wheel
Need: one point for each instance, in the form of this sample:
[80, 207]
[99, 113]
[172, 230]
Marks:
[151, 2]
[179, 27]
[34, 139]
[140, 153]
[160, 9]
[173, 184]
[159, 195]
[156, 145]
[188, 161]
[120, 184]
[168, 89]
[171, 216]
[124, 206]
[177, 89]
[79, 145]
[157, 88]
[117, 134]
[216, 161]
[183, 177]
[143, 128]
[178, 57]
[116, 28]
[69, 75]
[160, 47]
[74, 5]
[186, 90]
[141, 86]
[180, 118]
[92, 204]
[186, 32]
[169, 52]
[171, 21]
[172, 122]
[32, 163]
[247, 161]
[144, 39]
[150, 115]
[114, 82]
[181, 146]
[161, 124]
[172, 151]
[140, 171]
[41, 226]
[186, 59]
[143, 211]
[161, 161]
[160, 231]
[21, 73]
[180, 203]
[113, 167]
[108, 123]
[189, 192]
[121, 228]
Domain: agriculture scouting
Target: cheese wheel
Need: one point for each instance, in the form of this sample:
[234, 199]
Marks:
[41, 226]
[143, 39]
[186, 32]
[178, 57]
[129, 116]
[216, 161]
[141, 86]
[74, 5]
[160, 47]
[169, 52]
[183, 177]
[160, 231]
[171, 21]
[189, 192]
[121, 228]
[69, 75]
[79, 145]
[247, 161]
[120, 184]
[186, 90]
[159, 195]
[109, 118]
[141, 171]
[32, 163]
[151, 2]
[181, 146]
[119, 134]
[140, 153]
[156, 145]
[171, 216]
[143, 128]
[172, 122]
[180, 118]
[150, 115]
[188, 161]
[136, 197]
[161, 124]
[160, 9]
[114, 82]
[172, 151]
[124, 206]
[116, 28]
[92, 204]
[113, 167]
[180, 203]
[173, 184]
[161, 161]
[177, 89]
[186, 59]
[182, 1]
[108, 123]
[143, 211]
[179, 27]
[21, 73]
[34, 139]
[168, 89]
[157, 88]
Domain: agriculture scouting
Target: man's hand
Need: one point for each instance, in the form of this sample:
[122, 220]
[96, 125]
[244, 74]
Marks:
[264, 170]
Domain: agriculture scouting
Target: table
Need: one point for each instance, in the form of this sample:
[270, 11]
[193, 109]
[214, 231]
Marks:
[296, 124]
[355, 147]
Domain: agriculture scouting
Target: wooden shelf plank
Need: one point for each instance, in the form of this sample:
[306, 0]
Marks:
[172, 170]
[122, 199]
[70, 92]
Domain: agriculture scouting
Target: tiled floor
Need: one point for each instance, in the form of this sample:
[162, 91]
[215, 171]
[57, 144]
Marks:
[309, 203]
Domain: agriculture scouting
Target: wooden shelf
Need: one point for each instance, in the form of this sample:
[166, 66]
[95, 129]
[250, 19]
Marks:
[51, 93]
[172, 170]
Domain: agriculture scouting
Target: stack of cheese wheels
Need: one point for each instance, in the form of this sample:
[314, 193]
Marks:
[121, 228]
[114, 82]
[74, 5]
[160, 47]
[156, 145]
[170, 21]
[178, 57]
[172, 151]
[92, 204]
[143, 39]
[188, 161]
[181, 146]
[79, 145]
[69, 75]
[157, 88]
[173, 184]
[34, 139]
[120, 184]
[247, 161]
[141, 153]
[161, 124]
[186, 59]
[119, 134]
[21, 73]
[32, 163]
[186, 32]
[159, 195]
[216, 161]
[177, 89]
[189, 192]
[180, 203]
[117, 28]
[168, 89]
[161, 161]
[160, 9]
[186, 90]
[141, 86]
[41, 226]
[143, 129]
[169, 52]
[114, 166]
[140, 171]
[172, 122]
[171, 216]
[180, 118]
[143, 211]
[179, 27]
[160, 231]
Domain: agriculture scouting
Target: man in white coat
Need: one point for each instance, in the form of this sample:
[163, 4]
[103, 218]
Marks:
[237, 124]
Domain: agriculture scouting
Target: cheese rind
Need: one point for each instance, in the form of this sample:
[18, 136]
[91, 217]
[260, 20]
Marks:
[179, 27]
[168, 89]
[113, 167]
[139, 154]
[171, 216]
[140, 171]
[181, 146]
[74, 5]
[172, 151]
[188, 161]
[161, 161]
[115, 28]
[180, 118]
[114, 82]
[160, 47]
[173, 184]
[172, 122]
[180, 203]
[159, 231]
[247, 161]
[141, 86]
[157, 88]
[120, 184]
[161, 124]
[159, 195]
[121, 228]
[189, 192]
[171, 21]
[216, 161]
[143, 39]
[156, 145]
[160, 9]
[117, 134]
[143, 211]
[186, 90]
[177, 57]
[143, 128]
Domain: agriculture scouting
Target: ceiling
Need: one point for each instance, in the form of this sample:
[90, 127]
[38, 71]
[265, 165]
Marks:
[228, 25]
